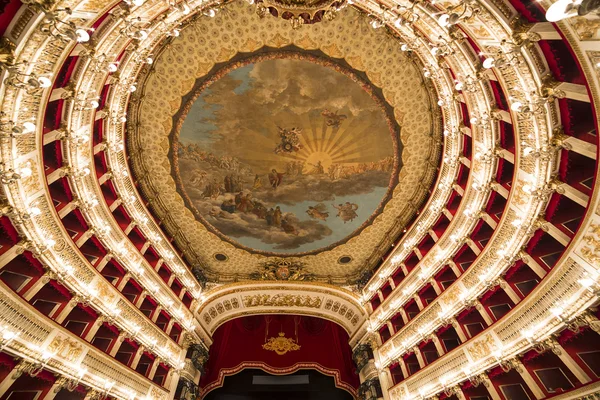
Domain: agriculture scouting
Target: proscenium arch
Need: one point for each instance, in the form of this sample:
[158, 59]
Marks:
[240, 299]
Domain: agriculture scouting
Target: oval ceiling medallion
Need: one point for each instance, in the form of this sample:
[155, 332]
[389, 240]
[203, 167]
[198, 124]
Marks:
[285, 153]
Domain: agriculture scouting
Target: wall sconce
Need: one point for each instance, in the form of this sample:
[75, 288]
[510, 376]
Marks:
[563, 9]
[38, 367]
[62, 30]
[73, 383]
[406, 15]
[132, 31]
[453, 16]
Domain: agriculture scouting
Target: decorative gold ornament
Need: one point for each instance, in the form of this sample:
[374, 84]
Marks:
[281, 344]
[282, 270]
[282, 300]
[301, 12]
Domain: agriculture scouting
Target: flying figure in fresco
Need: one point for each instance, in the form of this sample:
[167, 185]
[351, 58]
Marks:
[275, 178]
[318, 211]
[290, 140]
[332, 118]
[347, 211]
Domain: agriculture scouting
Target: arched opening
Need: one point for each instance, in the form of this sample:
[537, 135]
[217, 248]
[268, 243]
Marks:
[271, 346]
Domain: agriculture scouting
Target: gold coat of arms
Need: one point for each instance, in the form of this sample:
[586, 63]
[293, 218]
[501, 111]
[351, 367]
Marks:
[281, 344]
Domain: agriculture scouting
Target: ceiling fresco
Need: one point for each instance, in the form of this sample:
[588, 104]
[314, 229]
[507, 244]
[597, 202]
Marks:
[254, 142]
[285, 153]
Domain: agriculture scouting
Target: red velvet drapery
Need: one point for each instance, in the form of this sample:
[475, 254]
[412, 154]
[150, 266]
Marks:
[238, 345]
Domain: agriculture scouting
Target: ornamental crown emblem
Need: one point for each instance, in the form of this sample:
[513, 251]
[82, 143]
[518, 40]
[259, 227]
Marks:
[281, 344]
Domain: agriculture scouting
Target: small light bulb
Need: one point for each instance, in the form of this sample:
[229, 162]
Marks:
[28, 127]
[488, 63]
[444, 20]
[44, 82]
[516, 106]
[82, 35]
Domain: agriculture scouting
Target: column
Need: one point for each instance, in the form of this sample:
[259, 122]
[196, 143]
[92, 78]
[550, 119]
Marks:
[103, 262]
[403, 367]
[137, 356]
[459, 330]
[171, 279]
[56, 387]
[38, 285]
[569, 191]
[94, 329]
[12, 376]
[390, 328]
[153, 368]
[436, 286]
[141, 299]
[67, 309]
[170, 326]
[11, 253]
[129, 227]
[182, 293]
[63, 212]
[448, 214]
[573, 91]
[420, 359]
[123, 282]
[535, 267]
[510, 292]
[171, 382]
[566, 358]
[145, 247]
[454, 268]
[156, 313]
[556, 233]
[473, 246]
[385, 382]
[545, 30]
[437, 344]
[117, 344]
[419, 302]
[483, 379]
[484, 313]
[579, 146]
[403, 315]
[115, 204]
[524, 372]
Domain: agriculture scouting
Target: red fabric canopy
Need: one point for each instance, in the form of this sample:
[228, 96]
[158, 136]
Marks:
[238, 344]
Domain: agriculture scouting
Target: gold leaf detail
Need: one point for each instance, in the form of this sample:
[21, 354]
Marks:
[281, 344]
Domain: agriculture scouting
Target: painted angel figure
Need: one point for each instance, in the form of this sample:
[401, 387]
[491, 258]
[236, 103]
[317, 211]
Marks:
[332, 118]
[347, 211]
[318, 211]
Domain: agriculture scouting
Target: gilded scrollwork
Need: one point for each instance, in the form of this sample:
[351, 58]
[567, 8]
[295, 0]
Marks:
[282, 300]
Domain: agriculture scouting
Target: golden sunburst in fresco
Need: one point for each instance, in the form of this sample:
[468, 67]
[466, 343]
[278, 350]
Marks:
[285, 153]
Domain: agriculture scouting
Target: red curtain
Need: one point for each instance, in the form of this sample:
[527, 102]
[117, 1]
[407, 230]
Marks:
[238, 345]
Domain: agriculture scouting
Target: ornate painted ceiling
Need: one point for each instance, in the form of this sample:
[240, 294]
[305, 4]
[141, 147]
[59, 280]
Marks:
[253, 142]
